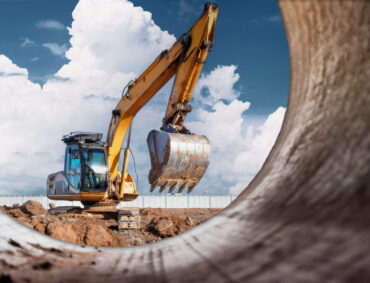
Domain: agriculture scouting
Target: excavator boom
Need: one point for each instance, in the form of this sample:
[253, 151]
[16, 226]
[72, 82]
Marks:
[188, 153]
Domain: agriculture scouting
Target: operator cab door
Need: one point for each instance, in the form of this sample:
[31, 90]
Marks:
[95, 170]
[73, 166]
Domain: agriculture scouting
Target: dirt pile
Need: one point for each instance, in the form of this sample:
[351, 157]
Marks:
[80, 227]
[170, 222]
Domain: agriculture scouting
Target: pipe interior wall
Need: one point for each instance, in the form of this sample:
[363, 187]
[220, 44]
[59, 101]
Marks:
[305, 216]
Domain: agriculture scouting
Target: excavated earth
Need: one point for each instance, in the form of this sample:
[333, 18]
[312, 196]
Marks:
[101, 229]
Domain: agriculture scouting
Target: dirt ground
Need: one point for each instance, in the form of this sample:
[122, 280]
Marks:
[94, 229]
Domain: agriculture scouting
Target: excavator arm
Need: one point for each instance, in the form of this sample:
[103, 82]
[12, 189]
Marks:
[184, 59]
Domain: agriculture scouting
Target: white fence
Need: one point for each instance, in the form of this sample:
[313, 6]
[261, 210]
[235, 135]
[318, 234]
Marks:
[166, 201]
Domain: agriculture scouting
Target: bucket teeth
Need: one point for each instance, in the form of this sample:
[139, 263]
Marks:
[153, 186]
[181, 189]
[172, 187]
[190, 189]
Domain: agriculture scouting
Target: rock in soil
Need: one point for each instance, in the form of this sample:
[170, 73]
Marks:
[163, 227]
[33, 208]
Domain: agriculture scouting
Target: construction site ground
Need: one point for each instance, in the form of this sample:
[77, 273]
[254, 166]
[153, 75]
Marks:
[101, 229]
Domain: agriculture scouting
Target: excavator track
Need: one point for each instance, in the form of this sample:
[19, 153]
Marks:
[128, 218]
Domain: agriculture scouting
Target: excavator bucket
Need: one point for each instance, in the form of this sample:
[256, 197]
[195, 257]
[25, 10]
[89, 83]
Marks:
[178, 160]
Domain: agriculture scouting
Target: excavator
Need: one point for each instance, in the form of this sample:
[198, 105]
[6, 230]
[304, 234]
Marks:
[179, 158]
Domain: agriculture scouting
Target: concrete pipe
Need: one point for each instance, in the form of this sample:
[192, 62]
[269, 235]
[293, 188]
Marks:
[306, 215]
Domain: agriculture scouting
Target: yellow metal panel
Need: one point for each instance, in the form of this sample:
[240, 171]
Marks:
[82, 196]
[189, 70]
[145, 87]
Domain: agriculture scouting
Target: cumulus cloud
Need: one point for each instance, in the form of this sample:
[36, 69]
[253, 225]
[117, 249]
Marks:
[107, 50]
[50, 24]
[27, 42]
[238, 147]
[249, 161]
[218, 85]
[7, 68]
[34, 118]
[56, 48]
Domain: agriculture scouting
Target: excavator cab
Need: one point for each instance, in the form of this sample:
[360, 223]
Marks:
[85, 167]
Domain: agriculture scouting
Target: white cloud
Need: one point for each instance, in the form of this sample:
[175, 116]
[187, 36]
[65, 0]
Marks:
[218, 85]
[50, 24]
[186, 9]
[273, 19]
[107, 49]
[55, 48]
[112, 42]
[27, 42]
[238, 147]
[34, 59]
[269, 19]
[248, 162]
[7, 68]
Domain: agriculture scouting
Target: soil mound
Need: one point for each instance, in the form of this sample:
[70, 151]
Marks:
[79, 227]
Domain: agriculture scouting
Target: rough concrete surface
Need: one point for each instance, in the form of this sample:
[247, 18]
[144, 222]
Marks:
[306, 215]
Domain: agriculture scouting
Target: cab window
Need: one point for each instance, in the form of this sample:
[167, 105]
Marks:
[73, 166]
[96, 169]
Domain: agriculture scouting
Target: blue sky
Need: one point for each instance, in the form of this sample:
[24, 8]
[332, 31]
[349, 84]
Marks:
[249, 34]
[60, 73]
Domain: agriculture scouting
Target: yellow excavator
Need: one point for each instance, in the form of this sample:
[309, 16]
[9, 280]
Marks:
[179, 158]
